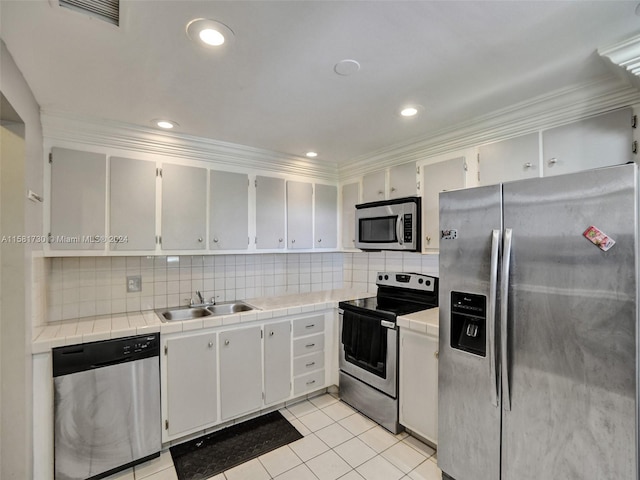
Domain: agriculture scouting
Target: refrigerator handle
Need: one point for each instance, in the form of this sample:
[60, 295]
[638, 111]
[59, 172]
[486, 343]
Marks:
[504, 308]
[491, 314]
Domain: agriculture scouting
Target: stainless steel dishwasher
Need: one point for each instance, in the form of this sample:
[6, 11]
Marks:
[106, 406]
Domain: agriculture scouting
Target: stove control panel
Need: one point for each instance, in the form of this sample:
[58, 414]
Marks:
[415, 281]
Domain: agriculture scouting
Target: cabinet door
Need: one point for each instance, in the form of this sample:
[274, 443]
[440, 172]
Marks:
[373, 186]
[436, 178]
[595, 142]
[299, 214]
[270, 212]
[229, 211]
[350, 195]
[132, 202]
[512, 159]
[419, 386]
[326, 216]
[277, 362]
[402, 181]
[184, 206]
[78, 199]
[240, 371]
[191, 387]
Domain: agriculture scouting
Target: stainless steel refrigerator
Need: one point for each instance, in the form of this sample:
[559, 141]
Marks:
[538, 362]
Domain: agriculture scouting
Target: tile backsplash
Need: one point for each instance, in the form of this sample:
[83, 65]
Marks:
[86, 286]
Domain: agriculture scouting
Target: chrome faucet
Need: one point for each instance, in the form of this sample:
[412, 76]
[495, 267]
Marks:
[202, 302]
[200, 297]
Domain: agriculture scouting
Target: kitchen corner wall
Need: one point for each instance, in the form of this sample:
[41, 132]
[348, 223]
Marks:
[73, 287]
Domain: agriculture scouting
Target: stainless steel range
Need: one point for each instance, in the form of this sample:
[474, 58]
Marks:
[369, 343]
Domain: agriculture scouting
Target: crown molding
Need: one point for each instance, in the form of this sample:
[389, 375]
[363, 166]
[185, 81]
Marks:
[550, 110]
[67, 127]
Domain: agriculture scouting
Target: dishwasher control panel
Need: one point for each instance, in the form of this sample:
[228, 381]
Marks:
[89, 356]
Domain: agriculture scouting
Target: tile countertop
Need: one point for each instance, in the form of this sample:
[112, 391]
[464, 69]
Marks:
[104, 327]
[424, 321]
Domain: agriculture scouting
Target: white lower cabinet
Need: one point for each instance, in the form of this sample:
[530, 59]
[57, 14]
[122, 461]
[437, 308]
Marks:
[419, 383]
[191, 378]
[218, 374]
[277, 362]
[240, 371]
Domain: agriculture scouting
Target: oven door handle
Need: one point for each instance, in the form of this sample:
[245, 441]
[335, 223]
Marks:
[388, 324]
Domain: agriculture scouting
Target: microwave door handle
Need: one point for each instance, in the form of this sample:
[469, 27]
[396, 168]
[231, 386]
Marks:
[399, 230]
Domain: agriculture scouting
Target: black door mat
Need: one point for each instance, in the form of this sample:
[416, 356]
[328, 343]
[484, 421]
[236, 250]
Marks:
[216, 452]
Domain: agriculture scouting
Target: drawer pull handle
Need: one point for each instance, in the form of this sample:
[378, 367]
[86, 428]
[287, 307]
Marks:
[311, 382]
[311, 325]
[310, 364]
[309, 345]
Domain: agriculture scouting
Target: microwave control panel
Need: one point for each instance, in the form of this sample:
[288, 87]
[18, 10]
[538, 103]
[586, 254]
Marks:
[408, 227]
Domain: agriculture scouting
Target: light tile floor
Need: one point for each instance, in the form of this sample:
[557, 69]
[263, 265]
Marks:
[338, 443]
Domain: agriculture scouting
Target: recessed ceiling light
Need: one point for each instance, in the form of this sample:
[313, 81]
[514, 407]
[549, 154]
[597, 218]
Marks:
[312, 154]
[209, 33]
[346, 67]
[164, 123]
[409, 112]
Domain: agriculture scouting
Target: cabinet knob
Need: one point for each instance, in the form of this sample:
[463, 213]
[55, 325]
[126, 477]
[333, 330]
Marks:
[380, 192]
[428, 239]
[393, 189]
[200, 239]
[210, 344]
[215, 240]
[226, 342]
[436, 354]
[293, 241]
[528, 165]
[319, 240]
[279, 240]
[553, 161]
[271, 334]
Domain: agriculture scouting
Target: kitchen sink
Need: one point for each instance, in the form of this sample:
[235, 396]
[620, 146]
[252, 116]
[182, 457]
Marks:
[228, 308]
[179, 314]
[191, 313]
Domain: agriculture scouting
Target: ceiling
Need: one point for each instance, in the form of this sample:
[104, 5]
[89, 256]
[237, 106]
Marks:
[275, 88]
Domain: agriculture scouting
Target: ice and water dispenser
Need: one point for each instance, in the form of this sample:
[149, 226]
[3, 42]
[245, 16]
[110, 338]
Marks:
[469, 322]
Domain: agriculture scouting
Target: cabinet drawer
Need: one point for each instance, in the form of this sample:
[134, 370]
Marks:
[308, 382]
[308, 363]
[304, 345]
[308, 326]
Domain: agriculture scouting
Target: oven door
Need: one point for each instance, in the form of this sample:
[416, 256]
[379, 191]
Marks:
[369, 350]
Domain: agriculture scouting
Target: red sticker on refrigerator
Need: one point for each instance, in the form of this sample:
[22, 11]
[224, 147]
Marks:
[599, 238]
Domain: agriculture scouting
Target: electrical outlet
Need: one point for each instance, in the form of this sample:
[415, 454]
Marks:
[134, 283]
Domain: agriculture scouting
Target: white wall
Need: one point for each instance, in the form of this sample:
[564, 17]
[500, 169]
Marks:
[16, 391]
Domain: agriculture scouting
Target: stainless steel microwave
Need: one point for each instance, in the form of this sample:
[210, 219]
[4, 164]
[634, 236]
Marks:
[389, 225]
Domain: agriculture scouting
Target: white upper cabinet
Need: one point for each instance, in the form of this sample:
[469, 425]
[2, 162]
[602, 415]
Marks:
[350, 195]
[513, 159]
[326, 216]
[270, 211]
[402, 181]
[373, 186]
[436, 178]
[184, 207]
[229, 211]
[299, 215]
[595, 142]
[78, 200]
[132, 202]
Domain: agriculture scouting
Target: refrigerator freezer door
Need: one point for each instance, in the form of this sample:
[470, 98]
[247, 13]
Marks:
[468, 417]
[571, 326]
